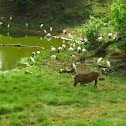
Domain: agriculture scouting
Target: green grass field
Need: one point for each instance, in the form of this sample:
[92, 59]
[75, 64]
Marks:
[46, 98]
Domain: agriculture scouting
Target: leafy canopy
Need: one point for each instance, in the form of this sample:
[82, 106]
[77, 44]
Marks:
[91, 29]
[118, 13]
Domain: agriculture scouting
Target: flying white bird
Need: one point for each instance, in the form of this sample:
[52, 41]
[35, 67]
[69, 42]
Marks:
[99, 59]
[108, 63]
[45, 31]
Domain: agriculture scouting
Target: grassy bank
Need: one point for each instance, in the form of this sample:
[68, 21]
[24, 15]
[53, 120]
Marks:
[43, 97]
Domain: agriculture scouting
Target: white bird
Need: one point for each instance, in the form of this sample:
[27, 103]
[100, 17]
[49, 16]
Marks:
[105, 24]
[50, 28]
[99, 39]
[74, 45]
[54, 57]
[99, 59]
[78, 49]
[110, 35]
[73, 56]
[64, 46]
[33, 53]
[8, 26]
[85, 41]
[32, 59]
[1, 23]
[48, 35]
[108, 63]
[11, 17]
[81, 40]
[83, 50]
[59, 49]
[64, 31]
[53, 49]
[71, 49]
[115, 35]
[38, 52]
[26, 24]
[69, 35]
[74, 66]
[45, 31]
[41, 25]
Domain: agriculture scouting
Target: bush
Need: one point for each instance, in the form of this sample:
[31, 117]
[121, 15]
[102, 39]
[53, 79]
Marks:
[118, 14]
[91, 29]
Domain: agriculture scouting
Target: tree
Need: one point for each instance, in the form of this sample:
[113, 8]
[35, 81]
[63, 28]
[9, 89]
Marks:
[91, 29]
[118, 13]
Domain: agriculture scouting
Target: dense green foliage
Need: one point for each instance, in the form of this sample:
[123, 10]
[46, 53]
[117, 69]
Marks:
[91, 29]
[118, 13]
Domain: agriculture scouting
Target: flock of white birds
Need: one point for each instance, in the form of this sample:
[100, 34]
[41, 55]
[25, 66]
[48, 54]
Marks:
[74, 45]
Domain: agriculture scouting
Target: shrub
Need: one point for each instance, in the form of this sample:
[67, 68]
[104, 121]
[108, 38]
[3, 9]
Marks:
[91, 29]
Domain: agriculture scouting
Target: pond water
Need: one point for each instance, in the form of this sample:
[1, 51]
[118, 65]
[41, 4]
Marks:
[9, 56]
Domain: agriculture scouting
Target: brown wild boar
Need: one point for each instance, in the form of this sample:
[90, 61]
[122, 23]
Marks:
[86, 78]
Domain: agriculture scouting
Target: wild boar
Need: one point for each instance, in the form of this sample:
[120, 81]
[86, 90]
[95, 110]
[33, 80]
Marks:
[86, 78]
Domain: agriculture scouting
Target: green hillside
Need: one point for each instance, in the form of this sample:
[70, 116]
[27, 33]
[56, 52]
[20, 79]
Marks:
[57, 14]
